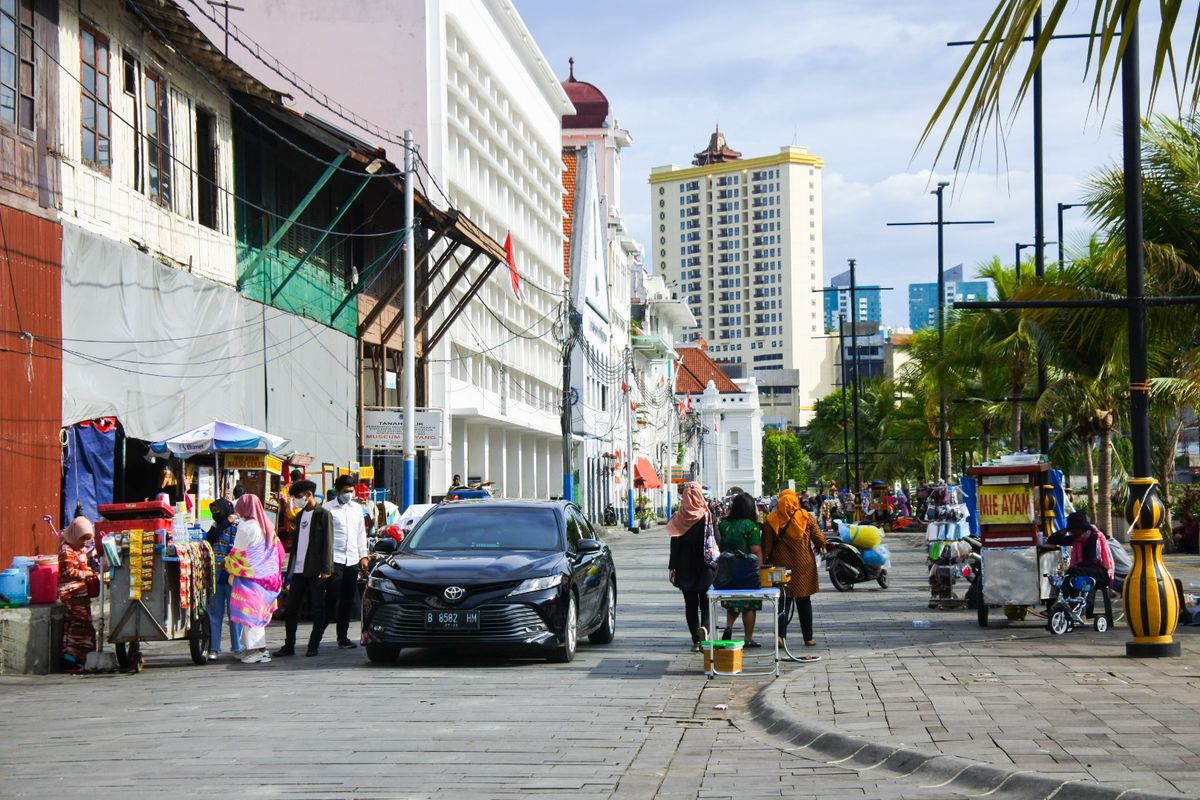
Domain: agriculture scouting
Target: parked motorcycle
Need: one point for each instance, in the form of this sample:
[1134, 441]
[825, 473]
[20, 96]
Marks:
[610, 515]
[951, 563]
[846, 567]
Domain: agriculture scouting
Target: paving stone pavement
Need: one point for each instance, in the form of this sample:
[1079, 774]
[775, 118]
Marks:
[634, 719]
[1012, 695]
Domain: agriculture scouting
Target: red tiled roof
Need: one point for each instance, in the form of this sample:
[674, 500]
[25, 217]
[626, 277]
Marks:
[569, 176]
[696, 369]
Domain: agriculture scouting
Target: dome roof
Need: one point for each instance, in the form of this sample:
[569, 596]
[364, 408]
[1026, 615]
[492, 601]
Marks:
[591, 106]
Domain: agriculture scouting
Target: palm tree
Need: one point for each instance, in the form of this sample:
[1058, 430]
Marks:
[973, 98]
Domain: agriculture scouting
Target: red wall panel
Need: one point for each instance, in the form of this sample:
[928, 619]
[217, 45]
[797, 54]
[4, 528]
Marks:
[30, 382]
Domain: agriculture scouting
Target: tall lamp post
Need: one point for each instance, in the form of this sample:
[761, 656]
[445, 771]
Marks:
[941, 223]
[1061, 208]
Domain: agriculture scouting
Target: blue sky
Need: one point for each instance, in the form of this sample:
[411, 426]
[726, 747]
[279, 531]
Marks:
[855, 82]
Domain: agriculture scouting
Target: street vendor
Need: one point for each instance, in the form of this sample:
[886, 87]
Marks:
[1090, 557]
[77, 582]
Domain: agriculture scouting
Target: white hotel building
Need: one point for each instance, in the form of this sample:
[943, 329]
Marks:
[740, 241]
[486, 111]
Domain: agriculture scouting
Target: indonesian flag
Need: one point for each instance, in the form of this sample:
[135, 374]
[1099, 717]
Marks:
[512, 265]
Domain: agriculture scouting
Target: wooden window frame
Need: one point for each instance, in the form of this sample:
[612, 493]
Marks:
[158, 146]
[88, 95]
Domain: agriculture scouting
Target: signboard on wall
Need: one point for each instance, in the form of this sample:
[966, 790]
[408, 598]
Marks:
[384, 430]
[1005, 505]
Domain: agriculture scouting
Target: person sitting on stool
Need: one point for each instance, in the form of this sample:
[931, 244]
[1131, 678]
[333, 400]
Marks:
[1086, 543]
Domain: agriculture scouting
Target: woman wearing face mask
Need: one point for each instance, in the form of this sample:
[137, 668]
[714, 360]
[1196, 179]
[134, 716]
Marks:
[254, 566]
[221, 537]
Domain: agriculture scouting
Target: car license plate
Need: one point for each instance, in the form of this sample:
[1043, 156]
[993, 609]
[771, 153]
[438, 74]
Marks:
[452, 620]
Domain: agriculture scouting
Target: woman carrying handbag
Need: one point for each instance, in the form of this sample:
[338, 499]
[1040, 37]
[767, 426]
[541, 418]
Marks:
[689, 569]
[793, 540]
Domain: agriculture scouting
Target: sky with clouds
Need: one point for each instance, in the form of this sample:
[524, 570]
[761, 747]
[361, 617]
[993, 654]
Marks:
[855, 82]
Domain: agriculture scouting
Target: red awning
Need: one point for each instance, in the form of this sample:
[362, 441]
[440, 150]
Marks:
[644, 475]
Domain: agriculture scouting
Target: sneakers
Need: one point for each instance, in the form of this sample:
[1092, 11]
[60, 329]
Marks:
[346, 644]
[212, 655]
[312, 651]
[702, 632]
[285, 651]
[257, 657]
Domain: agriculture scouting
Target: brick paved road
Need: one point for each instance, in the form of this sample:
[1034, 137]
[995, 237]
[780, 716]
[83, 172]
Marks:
[630, 720]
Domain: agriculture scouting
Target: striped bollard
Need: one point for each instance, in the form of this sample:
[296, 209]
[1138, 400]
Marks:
[1151, 601]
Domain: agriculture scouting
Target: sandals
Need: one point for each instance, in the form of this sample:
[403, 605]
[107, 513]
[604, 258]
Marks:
[751, 644]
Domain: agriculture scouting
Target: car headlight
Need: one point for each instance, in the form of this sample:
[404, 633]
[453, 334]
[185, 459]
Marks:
[381, 584]
[537, 584]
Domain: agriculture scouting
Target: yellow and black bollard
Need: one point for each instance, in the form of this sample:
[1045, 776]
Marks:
[1151, 600]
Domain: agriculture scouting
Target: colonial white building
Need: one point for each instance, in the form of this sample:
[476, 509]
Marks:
[486, 110]
[725, 424]
[600, 256]
[742, 237]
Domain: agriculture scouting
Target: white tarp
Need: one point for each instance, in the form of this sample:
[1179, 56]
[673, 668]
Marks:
[165, 351]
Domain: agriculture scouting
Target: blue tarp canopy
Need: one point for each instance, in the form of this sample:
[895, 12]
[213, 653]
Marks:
[218, 436]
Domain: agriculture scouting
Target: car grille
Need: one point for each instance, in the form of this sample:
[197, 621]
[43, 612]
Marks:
[496, 622]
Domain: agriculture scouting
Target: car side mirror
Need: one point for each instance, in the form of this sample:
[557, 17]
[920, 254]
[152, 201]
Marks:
[385, 546]
[586, 546]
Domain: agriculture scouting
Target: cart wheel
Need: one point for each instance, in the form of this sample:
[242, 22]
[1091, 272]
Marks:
[883, 579]
[982, 614]
[198, 639]
[1100, 623]
[1059, 623]
[129, 656]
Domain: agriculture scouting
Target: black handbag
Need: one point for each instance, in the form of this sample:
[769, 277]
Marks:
[737, 571]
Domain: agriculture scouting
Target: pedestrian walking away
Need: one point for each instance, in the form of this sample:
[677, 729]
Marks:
[221, 537]
[740, 533]
[792, 540]
[310, 566]
[349, 558]
[687, 569]
[75, 581]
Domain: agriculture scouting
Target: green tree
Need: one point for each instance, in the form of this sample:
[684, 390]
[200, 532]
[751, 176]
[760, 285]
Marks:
[973, 100]
[783, 459]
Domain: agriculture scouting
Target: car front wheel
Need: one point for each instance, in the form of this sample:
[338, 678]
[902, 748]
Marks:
[608, 628]
[566, 651]
[382, 653]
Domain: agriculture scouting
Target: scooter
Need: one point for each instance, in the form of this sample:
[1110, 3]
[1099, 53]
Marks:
[846, 567]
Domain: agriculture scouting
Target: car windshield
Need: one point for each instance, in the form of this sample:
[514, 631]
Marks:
[485, 527]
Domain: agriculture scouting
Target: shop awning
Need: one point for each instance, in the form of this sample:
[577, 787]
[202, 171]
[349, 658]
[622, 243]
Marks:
[644, 475]
[218, 436]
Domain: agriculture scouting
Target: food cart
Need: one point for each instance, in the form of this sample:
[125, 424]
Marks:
[241, 455]
[159, 579]
[1016, 510]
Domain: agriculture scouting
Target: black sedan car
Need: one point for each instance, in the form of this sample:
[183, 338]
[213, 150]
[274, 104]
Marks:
[524, 573]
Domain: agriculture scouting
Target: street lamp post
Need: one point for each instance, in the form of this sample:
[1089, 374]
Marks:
[1061, 208]
[941, 223]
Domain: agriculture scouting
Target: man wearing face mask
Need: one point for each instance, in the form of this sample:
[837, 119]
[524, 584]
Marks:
[349, 556]
[310, 565]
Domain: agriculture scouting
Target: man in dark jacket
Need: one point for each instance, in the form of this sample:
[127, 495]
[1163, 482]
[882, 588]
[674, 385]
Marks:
[310, 563]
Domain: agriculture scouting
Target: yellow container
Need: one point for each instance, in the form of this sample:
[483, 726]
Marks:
[774, 576]
[729, 659]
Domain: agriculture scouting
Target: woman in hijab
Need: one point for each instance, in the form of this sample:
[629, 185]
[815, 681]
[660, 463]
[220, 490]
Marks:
[221, 537]
[74, 574]
[687, 570]
[792, 540]
[740, 533]
[255, 568]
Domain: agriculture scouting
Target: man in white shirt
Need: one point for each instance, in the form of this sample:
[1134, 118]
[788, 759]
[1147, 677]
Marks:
[349, 556]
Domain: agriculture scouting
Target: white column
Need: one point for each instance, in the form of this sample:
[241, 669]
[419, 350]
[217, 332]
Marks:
[530, 477]
[457, 446]
[545, 467]
[516, 481]
[497, 461]
[477, 451]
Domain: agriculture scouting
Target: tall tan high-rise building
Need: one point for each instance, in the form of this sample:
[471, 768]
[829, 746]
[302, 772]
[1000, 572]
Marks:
[740, 239]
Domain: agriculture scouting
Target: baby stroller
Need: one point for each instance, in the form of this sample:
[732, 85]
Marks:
[1068, 608]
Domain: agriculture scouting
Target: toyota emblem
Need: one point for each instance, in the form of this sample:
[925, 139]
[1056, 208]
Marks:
[454, 593]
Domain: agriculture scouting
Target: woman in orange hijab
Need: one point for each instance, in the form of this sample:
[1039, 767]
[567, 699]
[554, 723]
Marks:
[687, 570]
[792, 540]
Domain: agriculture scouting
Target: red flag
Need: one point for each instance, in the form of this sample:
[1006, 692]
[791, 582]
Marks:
[512, 265]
